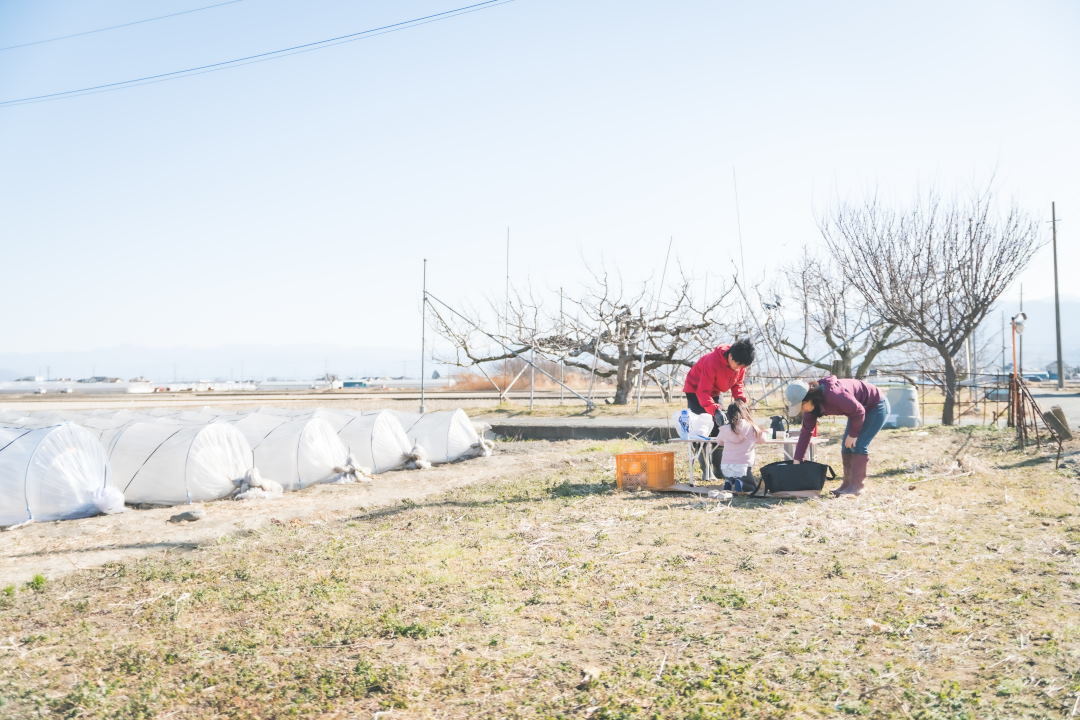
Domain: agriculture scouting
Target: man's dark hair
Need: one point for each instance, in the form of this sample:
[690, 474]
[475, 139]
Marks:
[742, 352]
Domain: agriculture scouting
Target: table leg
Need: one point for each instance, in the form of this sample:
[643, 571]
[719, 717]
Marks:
[692, 457]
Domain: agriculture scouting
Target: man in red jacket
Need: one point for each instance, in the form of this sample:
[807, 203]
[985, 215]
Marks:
[720, 371]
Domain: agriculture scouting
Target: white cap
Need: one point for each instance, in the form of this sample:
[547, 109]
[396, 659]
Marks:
[793, 395]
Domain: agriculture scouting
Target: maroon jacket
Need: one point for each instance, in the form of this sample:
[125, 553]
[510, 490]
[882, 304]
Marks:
[841, 397]
[711, 375]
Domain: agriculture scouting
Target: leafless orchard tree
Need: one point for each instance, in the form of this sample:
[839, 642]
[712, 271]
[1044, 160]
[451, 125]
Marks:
[604, 330]
[836, 330]
[935, 268]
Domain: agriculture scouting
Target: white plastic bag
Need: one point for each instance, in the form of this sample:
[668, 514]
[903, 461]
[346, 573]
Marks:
[700, 426]
[692, 426]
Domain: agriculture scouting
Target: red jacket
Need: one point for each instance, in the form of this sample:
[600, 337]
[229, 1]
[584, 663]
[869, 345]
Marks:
[711, 375]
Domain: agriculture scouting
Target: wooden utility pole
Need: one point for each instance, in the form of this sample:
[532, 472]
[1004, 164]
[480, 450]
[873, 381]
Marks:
[1057, 304]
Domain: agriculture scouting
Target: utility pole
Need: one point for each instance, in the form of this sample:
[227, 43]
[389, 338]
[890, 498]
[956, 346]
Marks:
[506, 311]
[1057, 304]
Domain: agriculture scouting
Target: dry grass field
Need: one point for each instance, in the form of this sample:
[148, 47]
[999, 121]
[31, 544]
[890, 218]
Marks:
[948, 591]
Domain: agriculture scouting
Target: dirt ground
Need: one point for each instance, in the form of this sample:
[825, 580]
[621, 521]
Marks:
[55, 549]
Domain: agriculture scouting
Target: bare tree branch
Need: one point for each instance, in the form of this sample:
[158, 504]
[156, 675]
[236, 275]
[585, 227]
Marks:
[607, 331]
[933, 269]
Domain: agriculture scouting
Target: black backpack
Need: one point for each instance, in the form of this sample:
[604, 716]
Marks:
[786, 476]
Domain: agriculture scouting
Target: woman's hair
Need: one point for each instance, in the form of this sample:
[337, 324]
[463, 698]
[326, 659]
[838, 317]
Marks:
[736, 412]
[815, 397]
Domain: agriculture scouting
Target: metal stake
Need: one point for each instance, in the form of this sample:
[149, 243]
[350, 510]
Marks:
[423, 337]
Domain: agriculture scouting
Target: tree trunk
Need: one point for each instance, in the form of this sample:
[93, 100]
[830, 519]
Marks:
[948, 412]
[841, 366]
[624, 376]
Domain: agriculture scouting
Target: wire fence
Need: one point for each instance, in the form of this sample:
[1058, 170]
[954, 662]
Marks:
[979, 397]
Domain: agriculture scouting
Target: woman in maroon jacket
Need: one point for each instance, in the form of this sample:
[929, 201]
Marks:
[720, 371]
[866, 408]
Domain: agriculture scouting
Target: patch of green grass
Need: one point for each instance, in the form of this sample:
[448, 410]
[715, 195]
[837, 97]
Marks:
[725, 597]
[36, 583]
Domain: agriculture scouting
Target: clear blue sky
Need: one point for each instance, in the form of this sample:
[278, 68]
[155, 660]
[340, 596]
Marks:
[292, 201]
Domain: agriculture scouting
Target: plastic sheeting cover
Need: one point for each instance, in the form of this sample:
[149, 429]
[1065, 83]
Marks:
[295, 452]
[168, 463]
[376, 440]
[446, 435]
[49, 473]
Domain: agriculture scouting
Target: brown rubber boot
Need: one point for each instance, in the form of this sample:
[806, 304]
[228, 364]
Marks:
[857, 475]
[846, 477]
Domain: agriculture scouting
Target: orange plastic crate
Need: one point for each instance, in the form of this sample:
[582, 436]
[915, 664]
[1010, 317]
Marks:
[644, 470]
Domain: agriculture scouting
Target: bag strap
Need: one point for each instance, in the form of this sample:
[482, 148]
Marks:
[760, 486]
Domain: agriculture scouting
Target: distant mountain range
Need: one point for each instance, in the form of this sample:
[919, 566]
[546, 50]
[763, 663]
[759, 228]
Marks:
[258, 362]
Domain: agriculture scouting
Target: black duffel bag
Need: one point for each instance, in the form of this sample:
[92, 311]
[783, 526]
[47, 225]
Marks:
[786, 476]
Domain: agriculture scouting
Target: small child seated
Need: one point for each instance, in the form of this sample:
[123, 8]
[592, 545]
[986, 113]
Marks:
[739, 436]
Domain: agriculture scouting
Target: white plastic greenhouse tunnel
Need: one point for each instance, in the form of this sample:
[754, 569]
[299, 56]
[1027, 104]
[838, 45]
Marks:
[294, 451]
[170, 463]
[50, 473]
[446, 435]
[375, 440]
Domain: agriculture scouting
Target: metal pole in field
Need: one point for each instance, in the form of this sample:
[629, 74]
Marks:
[1018, 365]
[423, 337]
[644, 324]
[532, 378]
[1002, 375]
[562, 365]
[506, 297]
[1003, 342]
[506, 309]
[1057, 304]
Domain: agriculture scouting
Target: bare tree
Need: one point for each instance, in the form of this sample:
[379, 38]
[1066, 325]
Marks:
[837, 331]
[935, 268]
[605, 330]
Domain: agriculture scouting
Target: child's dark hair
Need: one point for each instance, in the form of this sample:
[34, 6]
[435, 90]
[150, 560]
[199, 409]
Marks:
[815, 397]
[736, 412]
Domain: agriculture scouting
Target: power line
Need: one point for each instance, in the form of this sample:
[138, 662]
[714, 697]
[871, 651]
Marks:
[260, 57]
[252, 62]
[117, 27]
